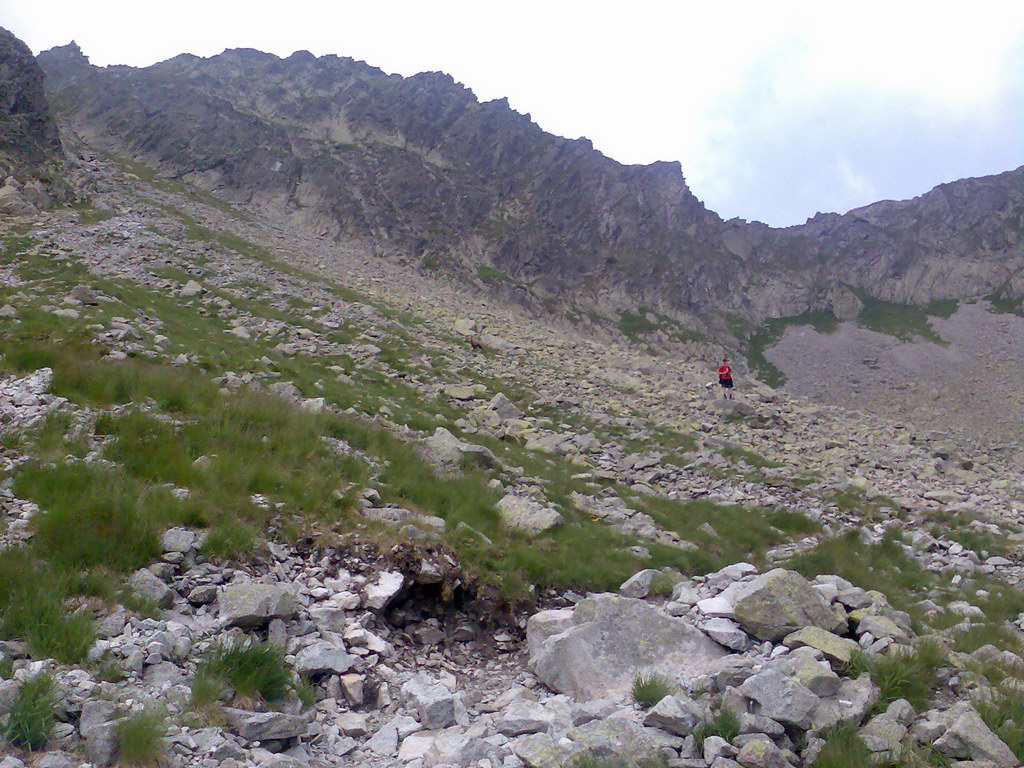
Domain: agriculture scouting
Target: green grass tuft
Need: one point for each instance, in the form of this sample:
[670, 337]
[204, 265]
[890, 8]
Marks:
[141, 738]
[909, 675]
[724, 724]
[33, 713]
[648, 690]
[251, 669]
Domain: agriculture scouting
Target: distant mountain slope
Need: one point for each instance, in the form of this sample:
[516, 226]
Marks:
[417, 166]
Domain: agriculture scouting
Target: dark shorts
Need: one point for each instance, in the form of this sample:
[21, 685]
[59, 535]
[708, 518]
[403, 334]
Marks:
[727, 383]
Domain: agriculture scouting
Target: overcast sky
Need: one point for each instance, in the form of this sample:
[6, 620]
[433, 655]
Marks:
[776, 110]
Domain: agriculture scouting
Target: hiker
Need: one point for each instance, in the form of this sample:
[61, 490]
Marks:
[725, 378]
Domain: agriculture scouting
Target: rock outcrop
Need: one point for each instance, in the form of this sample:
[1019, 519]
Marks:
[31, 156]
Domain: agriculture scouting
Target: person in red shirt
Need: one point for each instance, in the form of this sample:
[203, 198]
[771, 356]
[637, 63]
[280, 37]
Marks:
[725, 378]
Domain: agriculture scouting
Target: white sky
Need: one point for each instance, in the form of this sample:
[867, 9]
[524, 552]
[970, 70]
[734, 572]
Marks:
[775, 108]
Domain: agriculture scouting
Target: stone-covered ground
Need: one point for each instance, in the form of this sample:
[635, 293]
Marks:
[493, 526]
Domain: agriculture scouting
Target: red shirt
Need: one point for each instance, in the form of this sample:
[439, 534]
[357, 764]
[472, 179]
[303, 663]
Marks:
[724, 372]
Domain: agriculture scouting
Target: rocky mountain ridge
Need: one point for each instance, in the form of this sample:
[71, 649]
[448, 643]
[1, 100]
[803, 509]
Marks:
[418, 167]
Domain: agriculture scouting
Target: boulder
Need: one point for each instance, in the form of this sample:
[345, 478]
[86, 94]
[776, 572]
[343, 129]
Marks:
[431, 700]
[728, 633]
[539, 750]
[613, 740]
[676, 714]
[98, 728]
[611, 640]
[523, 717]
[844, 303]
[527, 515]
[835, 648]
[383, 590]
[968, 738]
[264, 726]
[324, 659]
[252, 604]
[780, 602]
[444, 451]
[780, 698]
[762, 753]
[147, 586]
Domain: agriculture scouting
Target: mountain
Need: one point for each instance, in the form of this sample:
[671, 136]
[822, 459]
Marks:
[419, 167]
[31, 156]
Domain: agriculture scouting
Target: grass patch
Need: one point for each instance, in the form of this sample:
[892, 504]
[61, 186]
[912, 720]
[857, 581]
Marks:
[141, 738]
[251, 669]
[33, 608]
[30, 721]
[735, 533]
[844, 749]
[909, 675]
[884, 566]
[648, 690]
[904, 321]
[633, 325]
[724, 724]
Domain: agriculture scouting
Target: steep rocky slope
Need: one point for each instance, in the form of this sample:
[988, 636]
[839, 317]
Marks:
[418, 167]
[292, 445]
[30, 149]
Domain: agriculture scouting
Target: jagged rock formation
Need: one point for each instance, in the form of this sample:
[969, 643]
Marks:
[419, 167]
[30, 149]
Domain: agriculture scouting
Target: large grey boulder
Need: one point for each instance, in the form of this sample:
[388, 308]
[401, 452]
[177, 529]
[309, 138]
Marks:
[264, 726]
[780, 698]
[610, 641]
[850, 704]
[780, 602]
[523, 514]
[613, 740]
[676, 714]
[252, 604]
[968, 738]
[147, 586]
[538, 750]
[324, 659]
[445, 451]
[98, 728]
[431, 700]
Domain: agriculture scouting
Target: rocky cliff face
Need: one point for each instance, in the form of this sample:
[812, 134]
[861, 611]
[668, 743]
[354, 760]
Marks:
[30, 149]
[419, 167]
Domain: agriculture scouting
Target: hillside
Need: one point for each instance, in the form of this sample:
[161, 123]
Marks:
[270, 499]
[418, 168]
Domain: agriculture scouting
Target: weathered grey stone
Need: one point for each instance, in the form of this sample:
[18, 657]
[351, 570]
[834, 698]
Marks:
[445, 451]
[614, 638]
[967, 737]
[98, 728]
[639, 584]
[884, 736]
[147, 586]
[835, 648]
[676, 714]
[780, 602]
[384, 589]
[780, 698]
[527, 515]
[762, 753]
[179, 540]
[433, 702]
[264, 726]
[814, 675]
[251, 604]
[728, 633]
[539, 750]
[324, 659]
[615, 738]
[851, 702]
[523, 717]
